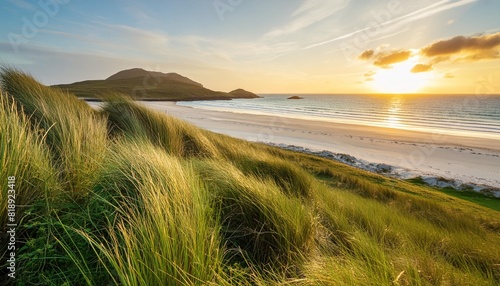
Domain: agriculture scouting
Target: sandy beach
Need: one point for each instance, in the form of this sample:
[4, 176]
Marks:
[464, 159]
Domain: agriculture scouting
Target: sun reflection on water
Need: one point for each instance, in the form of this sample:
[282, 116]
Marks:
[393, 119]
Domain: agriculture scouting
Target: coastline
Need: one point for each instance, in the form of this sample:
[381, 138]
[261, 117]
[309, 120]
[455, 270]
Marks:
[454, 117]
[436, 158]
[395, 171]
[442, 160]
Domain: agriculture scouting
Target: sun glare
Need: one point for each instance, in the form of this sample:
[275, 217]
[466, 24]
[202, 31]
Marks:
[399, 78]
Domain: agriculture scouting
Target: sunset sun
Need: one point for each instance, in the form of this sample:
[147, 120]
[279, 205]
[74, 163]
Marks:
[400, 79]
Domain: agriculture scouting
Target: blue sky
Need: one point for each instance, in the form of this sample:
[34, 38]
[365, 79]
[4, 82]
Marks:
[263, 46]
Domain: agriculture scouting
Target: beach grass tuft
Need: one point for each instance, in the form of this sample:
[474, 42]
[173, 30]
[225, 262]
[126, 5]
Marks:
[75, 134]
[177, 137]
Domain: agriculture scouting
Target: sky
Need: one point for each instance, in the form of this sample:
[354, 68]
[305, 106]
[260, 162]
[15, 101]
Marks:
[265, 46]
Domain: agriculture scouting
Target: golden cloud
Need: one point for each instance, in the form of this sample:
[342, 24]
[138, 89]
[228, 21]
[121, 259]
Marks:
[456, 49]
[421, 68]
[468, 48]
[369, 74]
[387, 58]
[366, 55]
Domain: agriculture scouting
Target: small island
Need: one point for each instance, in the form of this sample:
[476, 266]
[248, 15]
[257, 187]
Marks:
[241, 93]
[295, 97]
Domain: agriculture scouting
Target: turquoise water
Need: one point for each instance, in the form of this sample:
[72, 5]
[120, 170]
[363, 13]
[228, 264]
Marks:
[469, 115]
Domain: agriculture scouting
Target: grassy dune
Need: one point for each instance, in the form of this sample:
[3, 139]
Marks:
[129, 196]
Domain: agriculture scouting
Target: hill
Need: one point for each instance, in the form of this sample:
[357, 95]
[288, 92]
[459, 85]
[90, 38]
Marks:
[128, 196]
[146, 85]
[141, 73]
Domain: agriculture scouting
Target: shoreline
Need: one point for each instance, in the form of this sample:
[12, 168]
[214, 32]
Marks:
[456, 159]
[350, 122]
[412, 136]
[394, 171]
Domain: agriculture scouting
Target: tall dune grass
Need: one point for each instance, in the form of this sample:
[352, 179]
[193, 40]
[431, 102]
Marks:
[177, 137]
[75, 134]
[23, 156]
[260, 223]
[369, 233]
[291, 180]
[167, 234]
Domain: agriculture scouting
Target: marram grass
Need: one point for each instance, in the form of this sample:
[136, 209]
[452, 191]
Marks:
[261, 224]
[24, 156]
[75, 134]
[165, 231]
[173, 135]
[130, 196]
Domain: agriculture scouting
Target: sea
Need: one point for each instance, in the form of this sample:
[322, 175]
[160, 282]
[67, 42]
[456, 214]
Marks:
[463, 115]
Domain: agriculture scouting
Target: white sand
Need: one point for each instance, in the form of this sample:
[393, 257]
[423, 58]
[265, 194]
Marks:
[464, 159]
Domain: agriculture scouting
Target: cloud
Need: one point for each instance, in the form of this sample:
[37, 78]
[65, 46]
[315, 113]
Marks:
[421, 68]
[22, 4]
[386, 58]
[472, 48]
[35, 59]
[480, 55]
[138, 14]
[438, 59]
[138, 35]
[366, 55]
[448, 75]
[369, 74]
[309, 13]
[395, 24]
[453, 50]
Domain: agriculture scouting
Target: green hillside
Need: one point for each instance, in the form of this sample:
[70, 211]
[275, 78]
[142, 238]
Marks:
[146, 85]
[129, 196]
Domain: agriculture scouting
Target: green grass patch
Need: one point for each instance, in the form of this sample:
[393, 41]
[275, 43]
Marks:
[475, 197]
[468, 195]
